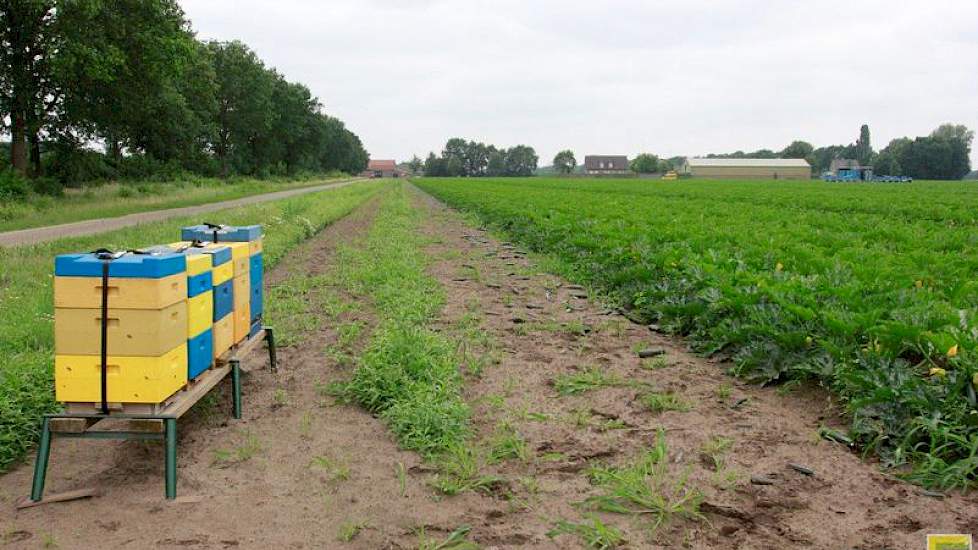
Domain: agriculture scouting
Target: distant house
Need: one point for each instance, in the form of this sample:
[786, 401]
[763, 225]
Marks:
[381, 169]
[748, 168]
[605, 165]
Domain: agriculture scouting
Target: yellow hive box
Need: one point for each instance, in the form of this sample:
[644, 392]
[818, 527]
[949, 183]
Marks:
[124, 292]
[130, 332]
[78, 378]
[223, 273]
[223, 335]
[242, 308]
[239, 257]
[200, 313]
[255, 247]
[197, 264]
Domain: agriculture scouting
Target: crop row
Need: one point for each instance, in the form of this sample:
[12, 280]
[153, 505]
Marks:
[870, 290]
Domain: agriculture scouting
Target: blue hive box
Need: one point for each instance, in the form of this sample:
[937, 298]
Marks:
[256, 272]
[227, 233]
[142, 266]
[223, 300]
[199, 284]
[200, 353]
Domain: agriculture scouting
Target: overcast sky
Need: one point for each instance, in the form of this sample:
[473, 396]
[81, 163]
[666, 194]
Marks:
[683, 77]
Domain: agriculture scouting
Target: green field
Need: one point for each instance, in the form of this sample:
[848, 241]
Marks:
[26, 301]
[119, 199]
[869, 289]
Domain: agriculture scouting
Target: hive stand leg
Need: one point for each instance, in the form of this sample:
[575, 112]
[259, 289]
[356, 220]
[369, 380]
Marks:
[41, 465]
[270, 338]
[236, 388]
[171, 458]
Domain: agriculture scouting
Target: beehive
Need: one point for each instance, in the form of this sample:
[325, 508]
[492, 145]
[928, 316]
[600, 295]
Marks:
[77, 378]
[200, 353]
[145, 326]
[236, 237]
[242, 307]
[223, 335]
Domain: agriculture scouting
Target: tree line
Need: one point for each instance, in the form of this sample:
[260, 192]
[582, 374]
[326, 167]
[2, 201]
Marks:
[944, 154]
[644, 163]
[129, 77]
[461, 158]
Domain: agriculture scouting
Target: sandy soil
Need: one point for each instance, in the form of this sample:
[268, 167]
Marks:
[299, 468]
[36, 235]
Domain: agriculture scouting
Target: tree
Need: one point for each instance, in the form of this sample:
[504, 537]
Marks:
[645, 163]
[564, 162]
[244, 96]
[521, 161]
[864, 148]
[798, 150]
[497, 163]
[29, 36]
[415, 164]
[434, 166]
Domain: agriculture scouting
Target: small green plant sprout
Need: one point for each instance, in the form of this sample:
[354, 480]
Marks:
[459, 471]
[645, 489]
[337, 470]
[401, 473]
[242, 453]
[725, 480]
[280, 398]
[714, 452]
[586, 380]
[593, 532]
[661, 402]
[654, 363]
[507, 444]
[723, 391]
[350, 529]
[456, 540]
[305, 425]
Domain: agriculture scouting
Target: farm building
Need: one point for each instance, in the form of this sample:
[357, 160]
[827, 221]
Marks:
[749, 168]
[606, 165]
[850, 168]
[382, 169]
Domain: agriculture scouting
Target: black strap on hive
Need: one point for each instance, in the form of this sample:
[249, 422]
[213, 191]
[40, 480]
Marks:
[215, 228]
[107, 256]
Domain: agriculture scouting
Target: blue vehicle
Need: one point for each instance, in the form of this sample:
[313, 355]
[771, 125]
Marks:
[854, 173]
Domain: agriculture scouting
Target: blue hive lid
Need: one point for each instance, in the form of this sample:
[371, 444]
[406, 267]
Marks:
[228, 233]
[155, 265]
[219, 254]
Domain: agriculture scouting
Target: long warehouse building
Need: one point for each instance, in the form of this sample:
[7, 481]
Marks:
[749, 168]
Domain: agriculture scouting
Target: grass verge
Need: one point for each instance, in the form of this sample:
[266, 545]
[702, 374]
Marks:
[408, 374]
[119, 199]
[26, 301]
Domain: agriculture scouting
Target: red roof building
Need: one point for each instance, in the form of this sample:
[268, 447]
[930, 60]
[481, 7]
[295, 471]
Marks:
[382, 168]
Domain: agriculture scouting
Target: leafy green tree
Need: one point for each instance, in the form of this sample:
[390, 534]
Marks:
[863, 147]
[521, 161]
[244, 98]
[434, 166]
[497, 163]
[415, 164]
[29, 88]
[564, 162]
[645, 163]
[798, 150]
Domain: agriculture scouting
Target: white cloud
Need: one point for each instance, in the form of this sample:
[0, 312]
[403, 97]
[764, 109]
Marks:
[673, 77]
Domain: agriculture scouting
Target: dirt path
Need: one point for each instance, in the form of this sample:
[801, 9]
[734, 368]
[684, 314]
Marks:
[89, 227]
[302, 471]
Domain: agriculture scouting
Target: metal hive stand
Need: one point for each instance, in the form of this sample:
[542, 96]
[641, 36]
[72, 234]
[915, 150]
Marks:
[158, 426]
